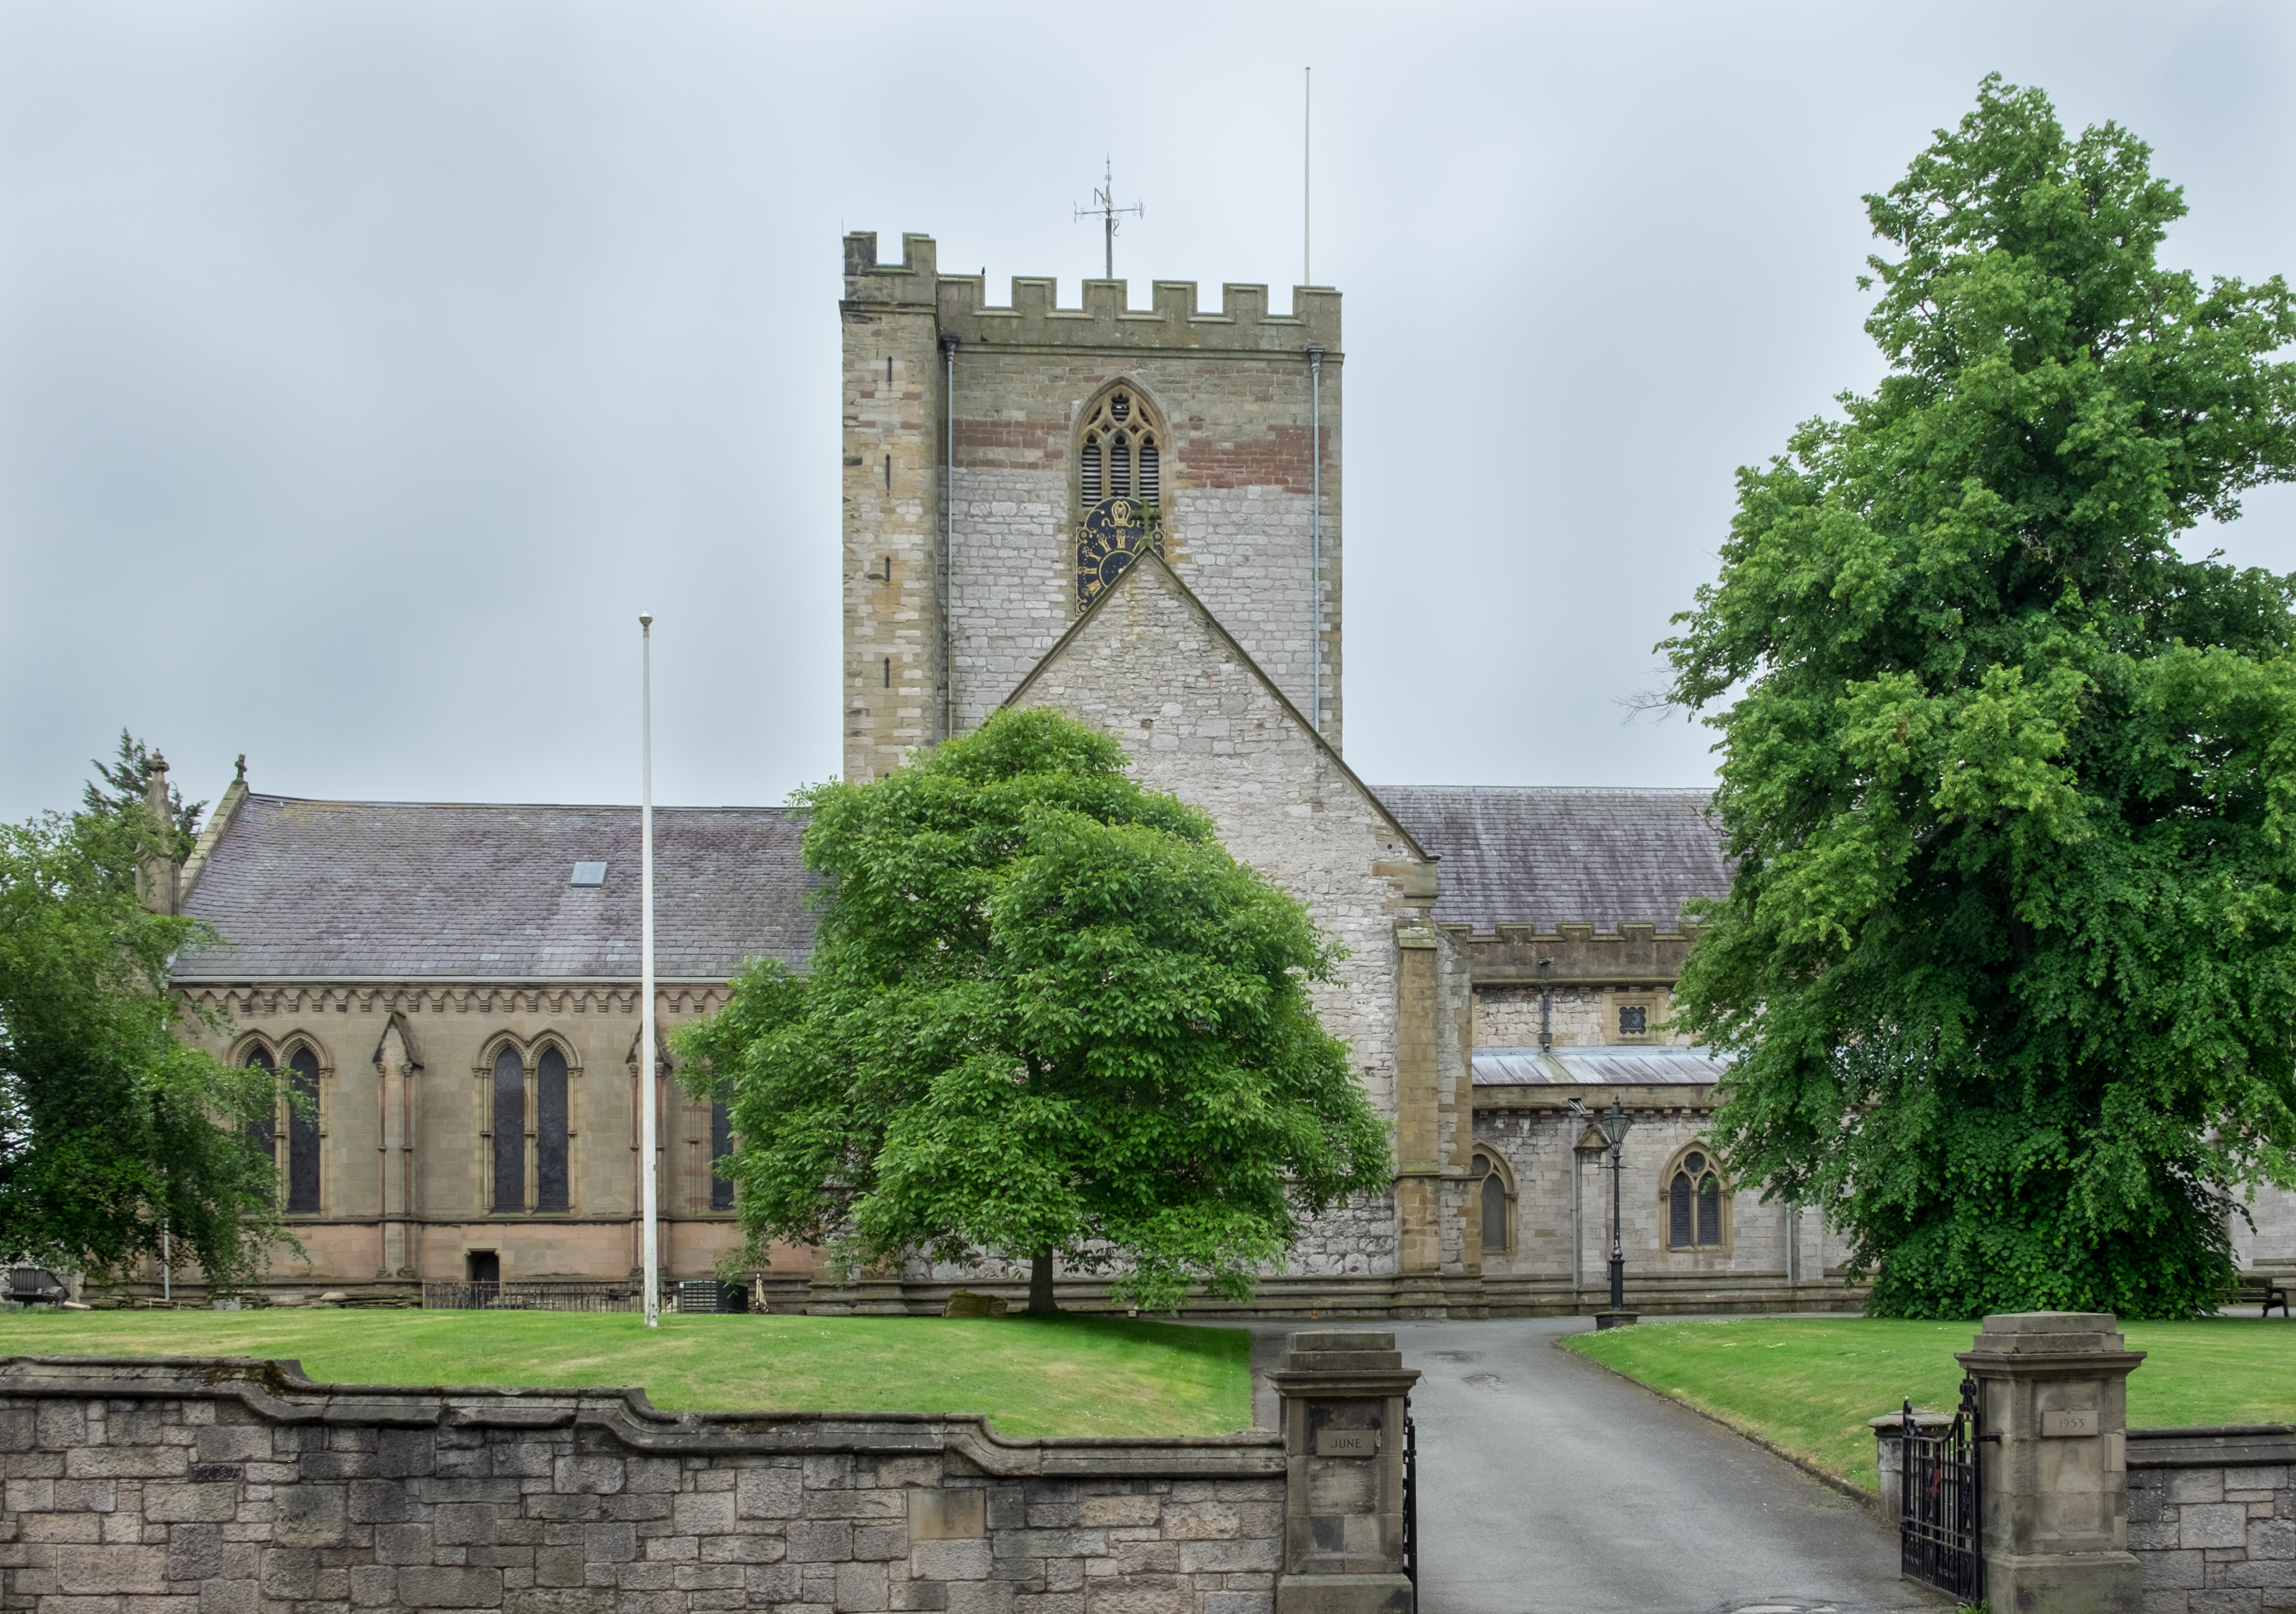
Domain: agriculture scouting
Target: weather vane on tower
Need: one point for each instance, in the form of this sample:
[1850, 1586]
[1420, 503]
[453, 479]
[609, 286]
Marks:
[1103, 205]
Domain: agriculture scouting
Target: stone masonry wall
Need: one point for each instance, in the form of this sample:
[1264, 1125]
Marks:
[1150, 669]
[1236, 509]
[1507, 1016]
[2212, 1518]
[182, 1486]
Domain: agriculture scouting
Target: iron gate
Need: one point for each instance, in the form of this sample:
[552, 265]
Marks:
[1411, 1504]
[1939, 1523]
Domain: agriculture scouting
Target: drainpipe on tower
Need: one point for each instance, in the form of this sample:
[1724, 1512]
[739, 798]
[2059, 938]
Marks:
[1545, 1005]
[947, 538]
[1316, 530]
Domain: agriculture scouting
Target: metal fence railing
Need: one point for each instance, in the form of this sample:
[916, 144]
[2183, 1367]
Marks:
[532, 1297]
[687, 1295]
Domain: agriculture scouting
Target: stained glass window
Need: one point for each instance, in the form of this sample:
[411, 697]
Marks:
[510, 1131]
[549, 1134]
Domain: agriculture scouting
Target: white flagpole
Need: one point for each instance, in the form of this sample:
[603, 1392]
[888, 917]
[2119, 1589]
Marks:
[646, 1067]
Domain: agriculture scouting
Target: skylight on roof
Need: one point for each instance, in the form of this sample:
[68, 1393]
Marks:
[589, 874]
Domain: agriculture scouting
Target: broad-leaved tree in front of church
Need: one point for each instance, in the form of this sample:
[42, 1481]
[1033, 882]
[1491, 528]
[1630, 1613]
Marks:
[2009, 958]
[118, 1139]
[1048, 1019]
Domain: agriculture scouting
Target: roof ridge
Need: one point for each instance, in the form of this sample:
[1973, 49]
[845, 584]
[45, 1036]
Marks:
[560, 806]
[1567, 789]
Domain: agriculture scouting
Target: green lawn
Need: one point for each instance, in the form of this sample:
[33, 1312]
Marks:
[1808, 1386]
[1064, 1376]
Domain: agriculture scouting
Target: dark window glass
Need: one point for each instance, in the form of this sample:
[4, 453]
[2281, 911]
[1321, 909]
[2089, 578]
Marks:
[263, 1131]
[1677, 1208]
[721, 1144]
[550, 1185]
[510, 1131]
[486, 1266]
[303, 1132]
[1709, 1210]
[1694, 1163]
[1634, 1019]
[1494, 1216]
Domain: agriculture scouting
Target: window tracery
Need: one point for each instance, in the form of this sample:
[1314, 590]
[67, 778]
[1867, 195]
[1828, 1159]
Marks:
[1119, 483]
[1696, 1215]
[1494, 1194]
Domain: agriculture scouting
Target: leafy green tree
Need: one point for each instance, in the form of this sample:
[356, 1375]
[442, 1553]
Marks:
[2009, 957]
[112, 1126]
[1047, 1016]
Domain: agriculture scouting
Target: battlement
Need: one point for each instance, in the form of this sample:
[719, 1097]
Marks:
[959, 303]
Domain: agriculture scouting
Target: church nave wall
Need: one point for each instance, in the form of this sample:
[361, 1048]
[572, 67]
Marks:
[424, 1051]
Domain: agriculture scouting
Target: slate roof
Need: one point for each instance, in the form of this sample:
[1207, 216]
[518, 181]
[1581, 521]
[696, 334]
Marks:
[406, 890]
[1537, 855]
[1571, 1067]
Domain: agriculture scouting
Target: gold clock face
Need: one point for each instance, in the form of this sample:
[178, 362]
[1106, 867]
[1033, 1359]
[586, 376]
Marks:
[1111, 533]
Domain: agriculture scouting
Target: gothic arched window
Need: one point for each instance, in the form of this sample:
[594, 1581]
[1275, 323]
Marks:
[721, 1144]
[303, 1132]
[510, 1131]
[1119, 483]
[1694, 1202]
[1494, 1202]
[551, 1185]
[263, 1131]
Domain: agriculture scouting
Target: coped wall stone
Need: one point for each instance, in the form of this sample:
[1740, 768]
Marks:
[2213, 1516]
[199, 1486]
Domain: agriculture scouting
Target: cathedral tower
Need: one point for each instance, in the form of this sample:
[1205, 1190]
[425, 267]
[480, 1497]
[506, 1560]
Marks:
[1002, 465]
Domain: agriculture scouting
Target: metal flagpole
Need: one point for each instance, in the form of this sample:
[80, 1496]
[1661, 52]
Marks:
[646, 1075]
[1307, 175]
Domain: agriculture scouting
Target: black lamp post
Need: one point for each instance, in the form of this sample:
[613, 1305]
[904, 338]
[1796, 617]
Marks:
[1614, 1128]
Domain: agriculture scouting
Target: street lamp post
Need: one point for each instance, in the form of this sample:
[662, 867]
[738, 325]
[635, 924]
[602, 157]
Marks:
[1614, 1128]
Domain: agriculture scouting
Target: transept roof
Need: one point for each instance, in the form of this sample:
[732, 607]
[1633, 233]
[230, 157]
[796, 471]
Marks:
[1543, 855]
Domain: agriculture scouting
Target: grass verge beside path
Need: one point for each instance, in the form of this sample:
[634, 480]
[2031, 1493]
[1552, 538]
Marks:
[1807, 1386]
[1059, 1376]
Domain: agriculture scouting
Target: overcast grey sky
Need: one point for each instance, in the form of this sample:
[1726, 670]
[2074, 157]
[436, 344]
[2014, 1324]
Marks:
[364, 367]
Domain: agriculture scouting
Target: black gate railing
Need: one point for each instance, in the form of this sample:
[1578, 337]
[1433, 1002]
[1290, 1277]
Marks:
[1411, 1505]
[1939, 1525]
[533, 1297]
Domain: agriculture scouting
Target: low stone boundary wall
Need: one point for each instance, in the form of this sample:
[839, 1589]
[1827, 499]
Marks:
[2212, 1518]
[185, 1486]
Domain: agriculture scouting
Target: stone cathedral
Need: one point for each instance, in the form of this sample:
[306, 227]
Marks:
[1134, 516]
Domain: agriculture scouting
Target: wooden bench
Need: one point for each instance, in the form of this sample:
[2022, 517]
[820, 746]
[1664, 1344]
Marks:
[2254, 1289]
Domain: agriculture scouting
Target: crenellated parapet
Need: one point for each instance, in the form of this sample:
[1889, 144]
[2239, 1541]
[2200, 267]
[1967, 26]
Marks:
[1105, 321]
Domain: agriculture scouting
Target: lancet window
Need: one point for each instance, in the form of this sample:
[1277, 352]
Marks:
[529, 1134]
[290, 1137]
[1119, 483]
[1495, 1202]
